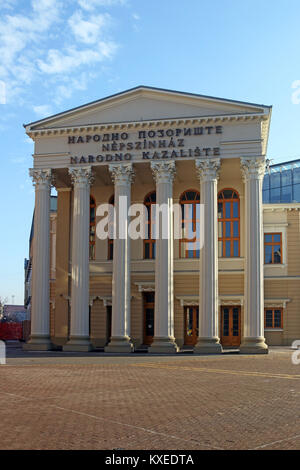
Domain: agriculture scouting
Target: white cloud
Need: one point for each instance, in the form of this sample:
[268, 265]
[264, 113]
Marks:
[58, 62]
[88, 31]
[78, 39]
[136, 17]
[7, 4]
[91, 5]
[43, 110]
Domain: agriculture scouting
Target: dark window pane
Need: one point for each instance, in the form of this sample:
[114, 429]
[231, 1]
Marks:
[149, 297]
[226, 322]
[235, 209]
[227, 248]
[228, 229]
[286, 194]
[149, 322]
[147, 251]
[269, 318]
[235, 322]
[275, 195]
[266, 182]
[296, 195]
[153, 251]
[111, 251]
[286, 177]
[268, 254]
[235, 229]
[228, 210]
[277, 254]
[227, 193]
[235, 248]
[220, 210]
[275, 180]
[266, 198]
[268, 238]
[190, 195]
[277, 319]
[296, 175]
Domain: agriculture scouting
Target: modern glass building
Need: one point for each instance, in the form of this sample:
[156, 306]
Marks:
[282, 183]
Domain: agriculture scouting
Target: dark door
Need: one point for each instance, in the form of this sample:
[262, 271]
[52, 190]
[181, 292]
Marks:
[191, 325]
[231, 326]
[148, 317]
[108, 323]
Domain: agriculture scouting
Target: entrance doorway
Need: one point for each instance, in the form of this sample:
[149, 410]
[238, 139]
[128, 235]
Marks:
[191, 325]
[148, 317]
[231, 326]
[108, 323]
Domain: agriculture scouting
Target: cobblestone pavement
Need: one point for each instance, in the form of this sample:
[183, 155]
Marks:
[94, 401]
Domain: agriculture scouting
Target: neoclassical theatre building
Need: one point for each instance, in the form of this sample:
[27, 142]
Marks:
[163, 295]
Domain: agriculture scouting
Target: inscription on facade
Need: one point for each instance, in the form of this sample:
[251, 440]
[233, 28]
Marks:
[150, 145]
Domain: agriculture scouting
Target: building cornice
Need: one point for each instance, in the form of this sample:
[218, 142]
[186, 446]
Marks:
[135, 125]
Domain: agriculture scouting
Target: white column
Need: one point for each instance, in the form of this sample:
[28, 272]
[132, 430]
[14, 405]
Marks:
[79, 329]
[164, 340]
[208, 340]
[40, 312]
[253, 170]
[122, 175]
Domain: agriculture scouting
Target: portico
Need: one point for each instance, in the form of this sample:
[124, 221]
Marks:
[212, 146]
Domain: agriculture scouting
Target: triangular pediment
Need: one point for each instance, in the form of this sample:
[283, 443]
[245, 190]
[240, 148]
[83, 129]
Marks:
[145, 104]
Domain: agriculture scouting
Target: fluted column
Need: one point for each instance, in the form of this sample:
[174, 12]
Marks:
[40, 312]
[164, 340]
[79, 328]
[208, 340]
[122, 175]
[253, 170]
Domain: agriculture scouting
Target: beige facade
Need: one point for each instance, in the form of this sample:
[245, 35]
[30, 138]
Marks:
[133, 129]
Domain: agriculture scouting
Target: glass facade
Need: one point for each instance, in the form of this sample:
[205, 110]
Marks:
[282, 183]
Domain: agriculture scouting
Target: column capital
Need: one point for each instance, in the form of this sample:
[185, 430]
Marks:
[41, 177]
[163, 172]
[81, 175]
[121, 173]
[208, 169]
[253, 168]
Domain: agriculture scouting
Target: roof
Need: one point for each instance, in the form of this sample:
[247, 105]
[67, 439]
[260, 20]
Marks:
[141, 88]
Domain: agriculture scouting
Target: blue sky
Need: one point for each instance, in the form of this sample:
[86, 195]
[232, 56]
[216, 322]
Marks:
[59, 54]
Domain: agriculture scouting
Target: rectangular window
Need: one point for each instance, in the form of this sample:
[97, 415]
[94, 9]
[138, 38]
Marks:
[273, 248]
[273, 318]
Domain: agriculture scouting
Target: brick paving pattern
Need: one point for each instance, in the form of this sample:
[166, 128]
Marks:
[96, 401]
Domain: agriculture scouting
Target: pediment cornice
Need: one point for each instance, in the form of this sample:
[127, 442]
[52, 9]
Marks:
[136, 125]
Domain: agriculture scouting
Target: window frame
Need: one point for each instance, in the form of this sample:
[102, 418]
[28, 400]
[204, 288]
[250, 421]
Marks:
[272, 244]
[232, 219]
[273, 318]
[194, 203]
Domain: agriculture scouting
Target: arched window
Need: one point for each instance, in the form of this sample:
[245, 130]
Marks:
[110, 254]
[149, 243]
[229, 223]
[92, 227]
[190, 213]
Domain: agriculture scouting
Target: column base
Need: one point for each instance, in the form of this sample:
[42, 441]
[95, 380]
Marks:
[254, 346]
[163, 346]
[38, 343]
[208, 346]
[78, 344]
[119, 344]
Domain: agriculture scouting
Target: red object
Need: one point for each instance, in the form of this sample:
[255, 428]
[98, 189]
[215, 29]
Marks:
[11, 330]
